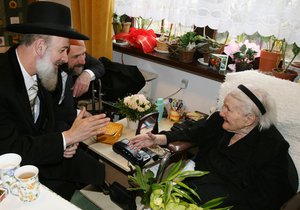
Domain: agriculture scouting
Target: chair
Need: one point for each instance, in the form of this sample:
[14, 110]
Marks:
[286, 95]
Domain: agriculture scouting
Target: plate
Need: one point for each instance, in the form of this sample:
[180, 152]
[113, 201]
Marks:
[160, 51]
[120, 43]
[201, 60]
[231, 67]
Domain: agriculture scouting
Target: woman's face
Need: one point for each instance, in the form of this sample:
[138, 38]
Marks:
[234, 119]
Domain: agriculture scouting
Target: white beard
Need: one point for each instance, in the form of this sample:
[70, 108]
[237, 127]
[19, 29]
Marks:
[47, 72]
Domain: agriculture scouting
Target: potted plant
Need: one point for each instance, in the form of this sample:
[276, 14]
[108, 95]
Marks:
[134, 107]
[207, 45]
[283, 71]
[187, 46]
[171, 193]
[121, 24]
[270, 56]
[243, 58]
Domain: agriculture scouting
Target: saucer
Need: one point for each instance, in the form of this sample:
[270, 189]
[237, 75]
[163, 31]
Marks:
[122, 44]
[201, 60]
[160, 51]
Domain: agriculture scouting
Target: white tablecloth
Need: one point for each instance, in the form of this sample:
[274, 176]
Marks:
[47, 200]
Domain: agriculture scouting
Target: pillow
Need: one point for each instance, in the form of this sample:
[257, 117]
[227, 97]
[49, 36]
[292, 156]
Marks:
[287, 98]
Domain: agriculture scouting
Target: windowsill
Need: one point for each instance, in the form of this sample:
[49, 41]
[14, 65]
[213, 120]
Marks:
[194, 68]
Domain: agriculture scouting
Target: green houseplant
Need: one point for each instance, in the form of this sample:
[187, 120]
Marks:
[243, 58]
[187, 46]
[283, 71]
[207, 45]
[171, 193]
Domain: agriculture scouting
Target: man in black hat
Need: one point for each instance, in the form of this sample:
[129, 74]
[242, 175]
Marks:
[28, 72]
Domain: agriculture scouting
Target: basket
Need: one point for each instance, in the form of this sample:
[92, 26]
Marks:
[163, 46]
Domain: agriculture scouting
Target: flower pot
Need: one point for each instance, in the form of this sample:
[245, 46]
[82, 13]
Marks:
[173, 51]
[243, 66]
[117, 28]
[126, 27]
[287, 75]
[186, 56]
[269, 60]
[206, 57]
[132, 125]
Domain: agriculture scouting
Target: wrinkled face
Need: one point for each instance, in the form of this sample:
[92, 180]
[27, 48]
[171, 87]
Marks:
[234, 119]
[47, 66]
[76, 57]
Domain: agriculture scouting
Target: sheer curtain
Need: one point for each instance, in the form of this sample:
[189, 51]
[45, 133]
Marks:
[267, 17]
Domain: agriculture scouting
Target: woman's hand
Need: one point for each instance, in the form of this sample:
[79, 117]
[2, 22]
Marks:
[142, 140]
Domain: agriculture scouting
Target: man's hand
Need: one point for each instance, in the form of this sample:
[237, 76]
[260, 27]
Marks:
[71, 150]
[85, 127]
[82, 84]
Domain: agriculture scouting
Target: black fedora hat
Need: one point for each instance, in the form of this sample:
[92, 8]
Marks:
[47, 18]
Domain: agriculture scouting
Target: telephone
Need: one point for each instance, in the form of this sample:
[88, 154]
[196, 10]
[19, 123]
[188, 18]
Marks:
[140, 157]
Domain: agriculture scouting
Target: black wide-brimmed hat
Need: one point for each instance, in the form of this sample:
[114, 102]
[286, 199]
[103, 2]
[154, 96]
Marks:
[47, 18]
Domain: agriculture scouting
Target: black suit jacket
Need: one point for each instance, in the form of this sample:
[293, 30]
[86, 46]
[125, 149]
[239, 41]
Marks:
[36, 143]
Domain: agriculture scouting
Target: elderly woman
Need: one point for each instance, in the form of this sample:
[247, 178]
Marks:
[241, 148]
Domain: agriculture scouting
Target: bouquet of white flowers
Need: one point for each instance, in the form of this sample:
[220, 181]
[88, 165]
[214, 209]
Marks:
[135, 106]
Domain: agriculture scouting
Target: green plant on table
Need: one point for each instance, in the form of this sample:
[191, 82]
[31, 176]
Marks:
[272, 43]
[244, 57]
[188, 40]
[171, 193]
[285, 66]
[208, 45]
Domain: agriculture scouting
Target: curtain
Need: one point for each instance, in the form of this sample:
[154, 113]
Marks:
[94, 19]
[267, 17]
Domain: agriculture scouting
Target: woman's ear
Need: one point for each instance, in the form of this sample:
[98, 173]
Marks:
[250, 119]
[40, 47]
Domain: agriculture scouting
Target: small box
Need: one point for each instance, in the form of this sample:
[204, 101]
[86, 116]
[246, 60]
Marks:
[113, 132]
[3, 194]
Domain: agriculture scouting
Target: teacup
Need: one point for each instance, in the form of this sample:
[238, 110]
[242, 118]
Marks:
[27, 185]
[8, 164]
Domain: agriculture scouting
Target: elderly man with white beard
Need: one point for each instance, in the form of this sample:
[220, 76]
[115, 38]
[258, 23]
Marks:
[28, 74]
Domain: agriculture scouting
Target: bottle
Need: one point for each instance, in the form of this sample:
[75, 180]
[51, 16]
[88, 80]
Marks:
[160, 108]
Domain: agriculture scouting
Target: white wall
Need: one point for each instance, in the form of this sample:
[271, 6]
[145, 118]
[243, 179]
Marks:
[201, 93]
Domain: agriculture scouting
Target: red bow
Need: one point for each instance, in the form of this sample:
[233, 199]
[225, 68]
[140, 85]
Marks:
[139, 38]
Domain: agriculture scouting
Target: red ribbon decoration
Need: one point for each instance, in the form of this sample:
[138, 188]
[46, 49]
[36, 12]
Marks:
[139, 38]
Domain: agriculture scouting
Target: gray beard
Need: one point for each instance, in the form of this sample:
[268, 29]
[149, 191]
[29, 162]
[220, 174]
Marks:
[47, 72]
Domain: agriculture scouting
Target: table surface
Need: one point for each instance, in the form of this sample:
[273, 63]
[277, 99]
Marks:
[105, 150]
[47, 200]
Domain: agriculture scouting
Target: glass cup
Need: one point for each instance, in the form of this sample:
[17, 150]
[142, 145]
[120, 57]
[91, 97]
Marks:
[27, 185]
[9, 162]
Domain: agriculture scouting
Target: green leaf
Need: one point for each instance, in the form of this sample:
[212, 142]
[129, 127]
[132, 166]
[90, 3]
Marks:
[184, 194]
[187, 188]
[168, 191]
[213, 203]
[174, 170]
[186, 174]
